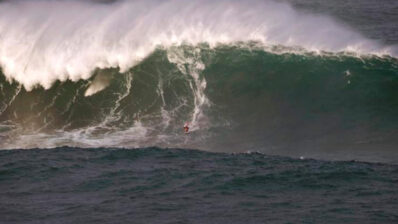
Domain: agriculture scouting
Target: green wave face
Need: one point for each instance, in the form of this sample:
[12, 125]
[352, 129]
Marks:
[234, 97]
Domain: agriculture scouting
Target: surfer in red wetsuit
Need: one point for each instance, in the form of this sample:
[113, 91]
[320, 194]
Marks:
[186, 128]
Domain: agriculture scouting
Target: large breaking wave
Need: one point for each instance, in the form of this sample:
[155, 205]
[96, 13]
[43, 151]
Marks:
[246, 75]
[43, 41]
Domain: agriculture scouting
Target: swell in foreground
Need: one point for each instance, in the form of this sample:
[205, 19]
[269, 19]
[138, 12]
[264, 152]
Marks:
[71, 185]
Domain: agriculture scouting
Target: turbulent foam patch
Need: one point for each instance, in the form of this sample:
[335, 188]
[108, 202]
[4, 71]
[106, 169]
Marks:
[234, 98]
[100, 82]
[43, 41]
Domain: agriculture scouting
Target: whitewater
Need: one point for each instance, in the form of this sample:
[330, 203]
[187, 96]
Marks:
[292, 108]
[45, 41]
[246, 75]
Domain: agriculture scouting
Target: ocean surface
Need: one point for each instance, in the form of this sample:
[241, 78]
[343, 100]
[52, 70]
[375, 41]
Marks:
[292, 107]
[154, 185]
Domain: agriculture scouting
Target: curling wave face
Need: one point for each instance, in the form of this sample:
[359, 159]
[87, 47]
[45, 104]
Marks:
[234, 97]
[131, 73]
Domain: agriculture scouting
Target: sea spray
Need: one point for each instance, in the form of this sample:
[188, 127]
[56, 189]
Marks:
[49, 43]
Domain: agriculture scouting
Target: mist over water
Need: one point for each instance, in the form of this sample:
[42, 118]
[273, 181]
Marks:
[273, 93]
[246, 75]
[44, 41]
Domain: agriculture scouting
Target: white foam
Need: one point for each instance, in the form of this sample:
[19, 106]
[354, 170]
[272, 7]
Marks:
[42, 41]
[191, 65]
[100, 82]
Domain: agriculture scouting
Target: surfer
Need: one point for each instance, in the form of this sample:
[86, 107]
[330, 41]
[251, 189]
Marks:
[186, 128]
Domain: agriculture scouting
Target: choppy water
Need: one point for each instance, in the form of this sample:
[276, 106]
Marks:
[153, 185]
[302, 79]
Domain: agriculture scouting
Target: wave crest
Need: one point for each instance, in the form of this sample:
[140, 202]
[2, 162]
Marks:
[41, 42]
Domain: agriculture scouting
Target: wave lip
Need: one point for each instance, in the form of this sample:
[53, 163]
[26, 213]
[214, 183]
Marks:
[41, 42]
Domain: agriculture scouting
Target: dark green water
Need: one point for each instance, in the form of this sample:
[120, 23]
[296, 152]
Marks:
[153, 185]
[292, 106]
[279, 103]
